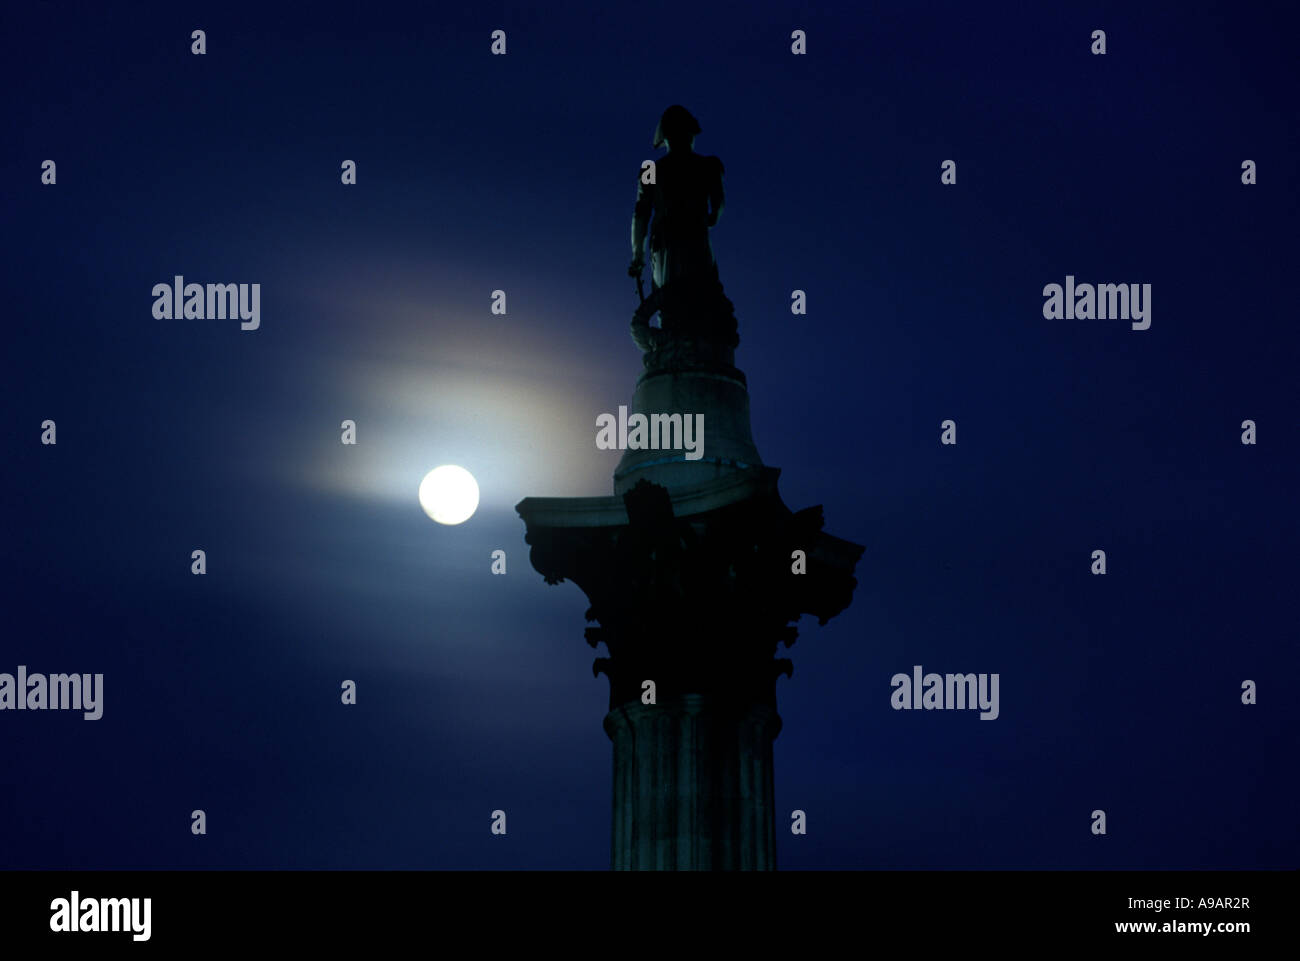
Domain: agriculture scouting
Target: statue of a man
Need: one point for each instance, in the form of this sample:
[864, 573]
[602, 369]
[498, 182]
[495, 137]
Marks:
[685, 200]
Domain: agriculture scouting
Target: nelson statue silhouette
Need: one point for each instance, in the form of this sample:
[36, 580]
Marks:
[685, 198]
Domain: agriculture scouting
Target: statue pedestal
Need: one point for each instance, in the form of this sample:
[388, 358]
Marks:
[688, 379]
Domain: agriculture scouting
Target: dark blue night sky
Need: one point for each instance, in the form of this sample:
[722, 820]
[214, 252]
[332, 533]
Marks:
[478, 172]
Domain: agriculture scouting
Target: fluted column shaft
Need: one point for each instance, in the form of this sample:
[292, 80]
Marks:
[693, 785]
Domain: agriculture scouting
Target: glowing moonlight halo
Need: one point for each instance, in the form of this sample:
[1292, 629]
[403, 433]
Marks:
[449, 494]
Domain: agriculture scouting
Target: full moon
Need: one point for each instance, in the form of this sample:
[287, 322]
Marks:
[449, 494]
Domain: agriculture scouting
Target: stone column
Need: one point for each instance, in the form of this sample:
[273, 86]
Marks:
[689, 572]
[693, 785]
